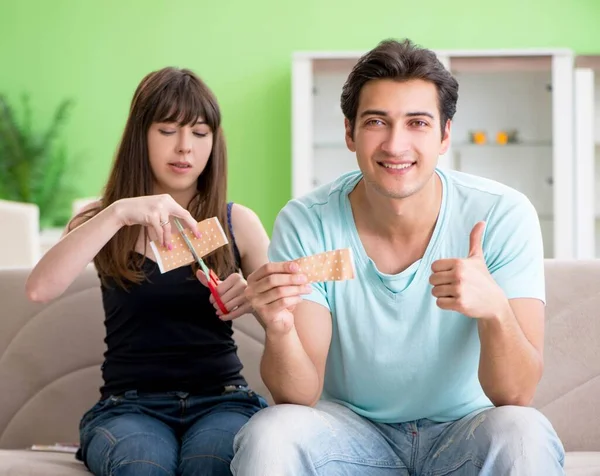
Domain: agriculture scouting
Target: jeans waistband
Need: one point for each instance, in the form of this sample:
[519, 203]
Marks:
[132, 394]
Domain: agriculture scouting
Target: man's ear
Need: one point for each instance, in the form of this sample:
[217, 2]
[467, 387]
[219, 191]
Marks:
[445, 144]
[349, 136]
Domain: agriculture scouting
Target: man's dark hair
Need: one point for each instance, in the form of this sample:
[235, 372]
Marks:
[400, 61]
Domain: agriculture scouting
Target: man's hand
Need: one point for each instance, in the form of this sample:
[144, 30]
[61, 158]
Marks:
[465, 285]
[274, 290]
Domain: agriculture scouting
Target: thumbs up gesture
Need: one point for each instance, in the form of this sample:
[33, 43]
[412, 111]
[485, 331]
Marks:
[465, 285]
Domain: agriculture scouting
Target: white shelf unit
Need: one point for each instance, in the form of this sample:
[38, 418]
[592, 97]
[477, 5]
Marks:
[587, 156]
[530, 91]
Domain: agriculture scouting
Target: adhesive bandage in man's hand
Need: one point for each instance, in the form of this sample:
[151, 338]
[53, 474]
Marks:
[336, 265]
[212, 237]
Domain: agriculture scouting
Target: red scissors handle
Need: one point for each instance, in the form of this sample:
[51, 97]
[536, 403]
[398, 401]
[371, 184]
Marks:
[213, 282]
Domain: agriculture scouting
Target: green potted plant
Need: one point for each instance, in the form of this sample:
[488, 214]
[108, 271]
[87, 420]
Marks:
[34, 162]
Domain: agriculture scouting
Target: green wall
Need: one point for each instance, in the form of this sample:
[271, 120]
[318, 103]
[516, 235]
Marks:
[96, 52]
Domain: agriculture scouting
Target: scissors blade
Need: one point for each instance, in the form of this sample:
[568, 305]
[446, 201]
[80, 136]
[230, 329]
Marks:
[188, 243]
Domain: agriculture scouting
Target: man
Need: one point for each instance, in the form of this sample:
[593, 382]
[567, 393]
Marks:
[426, 362]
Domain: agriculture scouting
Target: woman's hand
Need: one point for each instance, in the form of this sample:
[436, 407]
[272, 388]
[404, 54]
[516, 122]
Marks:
[231, 291]
[154, 212]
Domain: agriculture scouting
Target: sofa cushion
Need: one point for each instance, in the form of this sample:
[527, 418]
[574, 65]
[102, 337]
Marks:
[32, 463]
[569, 391]
[50, 358]
[37, 463]
[582, 463]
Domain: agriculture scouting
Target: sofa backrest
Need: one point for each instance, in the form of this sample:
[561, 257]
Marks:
[20, 247]
[50, 357]
[569, 393]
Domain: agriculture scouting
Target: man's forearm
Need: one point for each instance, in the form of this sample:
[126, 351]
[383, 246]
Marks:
[509, 367]
[288, 372]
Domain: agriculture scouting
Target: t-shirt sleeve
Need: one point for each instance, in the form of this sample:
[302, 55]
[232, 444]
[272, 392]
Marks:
[513, 248]
[298, 233]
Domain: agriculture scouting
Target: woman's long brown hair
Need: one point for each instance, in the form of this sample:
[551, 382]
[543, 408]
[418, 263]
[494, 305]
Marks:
[167, 95]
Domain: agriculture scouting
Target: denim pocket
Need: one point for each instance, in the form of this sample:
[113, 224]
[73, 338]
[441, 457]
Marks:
[87, 418]
[91, 413]
[96, 410]
[247, 393]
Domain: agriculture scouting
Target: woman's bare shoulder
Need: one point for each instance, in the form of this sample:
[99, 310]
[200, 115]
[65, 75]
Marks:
[250, 237]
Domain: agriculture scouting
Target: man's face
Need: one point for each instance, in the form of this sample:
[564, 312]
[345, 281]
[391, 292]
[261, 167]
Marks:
[397, 136]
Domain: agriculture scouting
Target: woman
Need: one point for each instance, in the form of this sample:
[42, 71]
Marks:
[173, 397]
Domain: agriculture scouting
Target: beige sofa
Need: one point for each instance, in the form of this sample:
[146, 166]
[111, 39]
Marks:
[50, 357]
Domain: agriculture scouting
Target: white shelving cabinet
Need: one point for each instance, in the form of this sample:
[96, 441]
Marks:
[587, 156]
[530, 91]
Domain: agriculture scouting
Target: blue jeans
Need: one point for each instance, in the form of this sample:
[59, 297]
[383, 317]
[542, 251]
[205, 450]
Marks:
[164, 434]
[332, 440]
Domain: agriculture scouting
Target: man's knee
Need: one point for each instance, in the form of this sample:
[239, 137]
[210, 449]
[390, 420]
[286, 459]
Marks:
[521, 431]
[513, 421]
[276, 426]
[277, 440]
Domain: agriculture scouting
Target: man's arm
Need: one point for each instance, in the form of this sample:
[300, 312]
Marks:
[293, 365]
[511, 361]
[298, 331]
[511, 331]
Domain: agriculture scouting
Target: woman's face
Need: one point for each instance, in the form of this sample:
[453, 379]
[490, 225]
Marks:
[178, 155]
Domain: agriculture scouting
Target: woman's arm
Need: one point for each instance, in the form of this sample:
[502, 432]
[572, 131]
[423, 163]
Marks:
[59, 267]
[251, 238]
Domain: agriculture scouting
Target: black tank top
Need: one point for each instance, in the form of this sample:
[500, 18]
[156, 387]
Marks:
[163, 335]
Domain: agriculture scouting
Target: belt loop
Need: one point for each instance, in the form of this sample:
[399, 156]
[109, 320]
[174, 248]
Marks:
[131, 394]
[229, 389]
[237, 388]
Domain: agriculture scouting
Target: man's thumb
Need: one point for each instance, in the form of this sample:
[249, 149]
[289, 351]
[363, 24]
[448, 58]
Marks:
[476, 239]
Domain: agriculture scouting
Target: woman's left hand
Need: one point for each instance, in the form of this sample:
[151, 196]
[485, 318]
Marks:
[231, 291]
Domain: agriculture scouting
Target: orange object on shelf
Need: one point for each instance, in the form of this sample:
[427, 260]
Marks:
[502, 138]
[478, 137]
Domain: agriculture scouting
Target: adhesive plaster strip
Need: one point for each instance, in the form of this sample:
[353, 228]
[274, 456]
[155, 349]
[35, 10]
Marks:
[336, 265]
[212, 237]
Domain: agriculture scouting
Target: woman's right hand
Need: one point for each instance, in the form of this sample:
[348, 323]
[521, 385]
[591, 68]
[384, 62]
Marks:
[154, 212]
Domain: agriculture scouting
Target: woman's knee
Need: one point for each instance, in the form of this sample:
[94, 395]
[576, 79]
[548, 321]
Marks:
[201, 463]
[207, 451]
[142, 452]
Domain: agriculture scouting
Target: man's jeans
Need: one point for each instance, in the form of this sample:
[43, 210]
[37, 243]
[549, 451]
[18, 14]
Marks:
[332, 440]
[165, 433]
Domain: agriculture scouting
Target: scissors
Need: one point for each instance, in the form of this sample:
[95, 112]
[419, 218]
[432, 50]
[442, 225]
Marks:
[211, 277]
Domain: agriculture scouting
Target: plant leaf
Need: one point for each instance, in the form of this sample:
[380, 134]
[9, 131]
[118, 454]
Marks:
[32, 163]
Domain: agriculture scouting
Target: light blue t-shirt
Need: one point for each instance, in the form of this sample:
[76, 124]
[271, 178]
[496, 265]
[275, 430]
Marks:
[394, 355]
